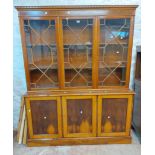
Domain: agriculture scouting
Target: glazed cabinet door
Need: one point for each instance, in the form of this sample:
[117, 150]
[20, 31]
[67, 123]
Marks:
[114, 115]
[44, 117]
[77, 47]
[113, 51]
[79, 116]
[41, 53]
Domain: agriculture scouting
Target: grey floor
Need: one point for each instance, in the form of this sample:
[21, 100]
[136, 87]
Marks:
[112, 149]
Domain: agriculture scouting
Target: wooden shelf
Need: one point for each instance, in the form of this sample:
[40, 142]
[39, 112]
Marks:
[51, 45]
[114, 43]
[54, 45]
[54, 67]
[79, 44]
[67, 67]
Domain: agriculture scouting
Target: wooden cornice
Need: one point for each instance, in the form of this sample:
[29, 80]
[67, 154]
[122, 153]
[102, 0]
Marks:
[78, 7]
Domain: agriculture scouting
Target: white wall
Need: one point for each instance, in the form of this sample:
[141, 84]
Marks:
[18, 68]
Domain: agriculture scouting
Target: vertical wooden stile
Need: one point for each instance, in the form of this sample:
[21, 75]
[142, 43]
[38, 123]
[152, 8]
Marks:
[59, 40]
[95, 52]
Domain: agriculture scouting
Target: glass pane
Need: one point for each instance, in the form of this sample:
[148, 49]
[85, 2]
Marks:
[114, 36]
[79, 115]
[77, 39]
[44, 116]
[42, 53]
[114, 113]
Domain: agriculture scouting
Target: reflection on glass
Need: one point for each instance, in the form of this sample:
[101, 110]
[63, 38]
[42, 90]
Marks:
[114, 36]
[77, 39]
[42, 53]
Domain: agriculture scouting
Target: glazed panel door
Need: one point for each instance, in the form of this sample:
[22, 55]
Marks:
[77, 47]
[79, 116]
[113, 51]
[44, 117]
[41, 53]
[114, 115]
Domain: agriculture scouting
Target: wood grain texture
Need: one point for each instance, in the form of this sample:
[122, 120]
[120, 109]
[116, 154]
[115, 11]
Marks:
[121, 116]
[113, 116]
[95, 52]
[59, 36]
[20, 117]
[72, 92]
[79, 116]
[25, 132]
[80, 141]
[45, 125]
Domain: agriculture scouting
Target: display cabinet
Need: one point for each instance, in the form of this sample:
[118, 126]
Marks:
[77, 64]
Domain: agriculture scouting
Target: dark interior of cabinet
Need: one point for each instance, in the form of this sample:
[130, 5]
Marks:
[44, 116]
[114, 113]
[79, 115]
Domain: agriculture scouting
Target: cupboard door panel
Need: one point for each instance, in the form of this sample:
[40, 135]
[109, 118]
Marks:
[77, 43]
[113, 115]
[79, 115]
[41, 53]
[113, 51]
[44, 117]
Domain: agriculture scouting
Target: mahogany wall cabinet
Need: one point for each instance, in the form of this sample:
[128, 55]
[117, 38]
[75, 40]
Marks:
[77, 64]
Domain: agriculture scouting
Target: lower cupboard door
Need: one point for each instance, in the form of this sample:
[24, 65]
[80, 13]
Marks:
[114, 115]
[44, 117]
[79, 116]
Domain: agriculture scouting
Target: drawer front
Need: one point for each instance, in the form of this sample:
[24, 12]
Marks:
[44, 117]
[79, 116]
[114, 115]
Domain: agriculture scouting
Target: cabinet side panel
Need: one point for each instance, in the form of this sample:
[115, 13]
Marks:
[130, 50]
[21, 22]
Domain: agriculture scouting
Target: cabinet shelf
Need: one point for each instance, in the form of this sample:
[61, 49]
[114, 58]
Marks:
[82, 44]
[50, 45]
[120, 43]
[68, 67]
[65, 45]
